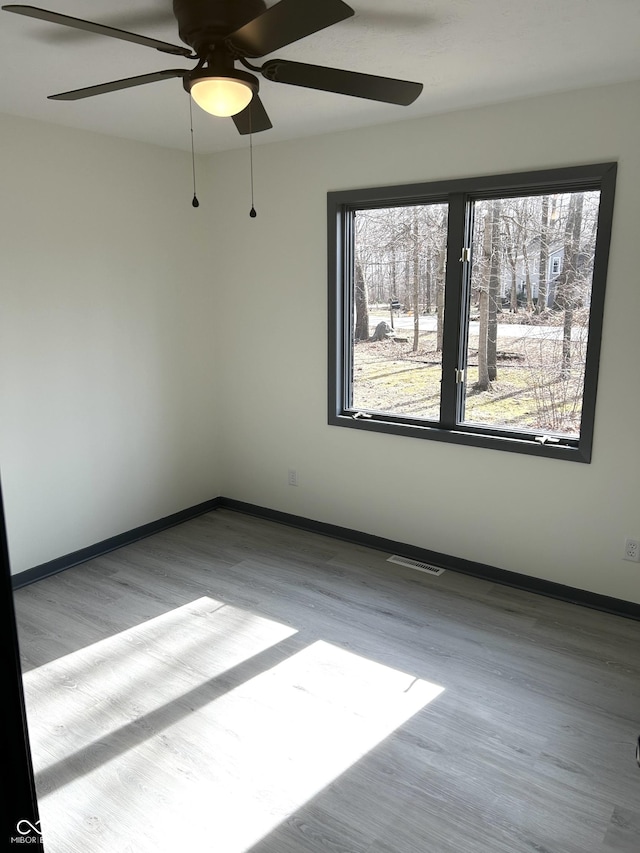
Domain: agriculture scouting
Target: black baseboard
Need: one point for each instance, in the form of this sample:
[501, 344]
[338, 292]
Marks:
[616, 606]
[76, 557]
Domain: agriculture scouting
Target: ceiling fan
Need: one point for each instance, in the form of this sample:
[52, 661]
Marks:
[222, 32]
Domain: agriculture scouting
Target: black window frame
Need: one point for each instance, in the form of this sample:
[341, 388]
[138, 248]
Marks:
[459, 194]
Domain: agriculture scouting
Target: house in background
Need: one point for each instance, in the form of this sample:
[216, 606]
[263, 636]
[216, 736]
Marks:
[528, 272]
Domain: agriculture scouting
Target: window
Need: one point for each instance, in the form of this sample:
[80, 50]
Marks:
[471, 310]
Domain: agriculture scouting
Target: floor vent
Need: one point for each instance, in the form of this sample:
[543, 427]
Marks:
[415, 564]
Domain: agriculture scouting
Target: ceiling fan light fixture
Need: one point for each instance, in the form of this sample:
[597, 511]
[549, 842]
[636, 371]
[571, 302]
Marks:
[222, 94]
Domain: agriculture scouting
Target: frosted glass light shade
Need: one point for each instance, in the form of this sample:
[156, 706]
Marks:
[221, 96]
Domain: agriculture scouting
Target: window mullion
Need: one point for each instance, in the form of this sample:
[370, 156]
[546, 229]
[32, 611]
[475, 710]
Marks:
[457, 231]
[347, 307]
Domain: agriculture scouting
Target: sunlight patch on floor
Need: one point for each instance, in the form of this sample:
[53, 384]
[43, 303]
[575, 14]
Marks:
[95, 691]
[147, 755]
[291, 731]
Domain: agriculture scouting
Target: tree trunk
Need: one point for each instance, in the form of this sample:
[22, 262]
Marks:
[361, 300]
[569, 274]
[394, 274]
[428, 286]
[514, 291]
[566, 331]
[494, 289]
[416, 280]
[440, 271]
[527, 277]
[483, 303]
[543, 264]
[483, 367]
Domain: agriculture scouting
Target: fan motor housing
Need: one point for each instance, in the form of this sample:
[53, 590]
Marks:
[205, 23]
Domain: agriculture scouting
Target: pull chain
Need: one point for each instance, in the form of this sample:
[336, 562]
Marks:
[252, 212]
[195, 202]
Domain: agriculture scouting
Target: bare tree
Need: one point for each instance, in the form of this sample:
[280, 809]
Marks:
[543, 262]
[361, 332]
[494, 292]
[415, 267]
[439, 230]
[401, 252]
[510, 248]
[483, 302]
[428, 286]
[488, 290]
[527, 274]
[517, 227]
[568, 276]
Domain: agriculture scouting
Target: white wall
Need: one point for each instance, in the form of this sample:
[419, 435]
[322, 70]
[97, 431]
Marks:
[561, 521]
[152, 356]
[108, 399]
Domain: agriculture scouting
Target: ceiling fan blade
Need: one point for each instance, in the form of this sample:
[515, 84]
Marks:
[115, 85]
[284, 23]
[252, 119]
[352, 83]
[99, 29]
[125, 20]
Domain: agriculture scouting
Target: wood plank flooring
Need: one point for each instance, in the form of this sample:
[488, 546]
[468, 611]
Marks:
[237, 686]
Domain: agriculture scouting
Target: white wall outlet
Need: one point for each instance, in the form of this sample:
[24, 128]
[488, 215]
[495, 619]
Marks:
[293, 477]
[632, 550]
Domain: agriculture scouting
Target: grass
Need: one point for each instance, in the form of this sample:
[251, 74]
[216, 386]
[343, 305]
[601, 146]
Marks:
[529, 392]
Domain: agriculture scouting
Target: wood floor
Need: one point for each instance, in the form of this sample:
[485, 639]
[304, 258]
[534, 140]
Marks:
[236, 686]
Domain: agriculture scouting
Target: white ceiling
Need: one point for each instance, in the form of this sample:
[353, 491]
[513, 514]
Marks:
[466, 52]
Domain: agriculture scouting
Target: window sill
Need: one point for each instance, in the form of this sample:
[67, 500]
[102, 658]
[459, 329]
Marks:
[460, 435]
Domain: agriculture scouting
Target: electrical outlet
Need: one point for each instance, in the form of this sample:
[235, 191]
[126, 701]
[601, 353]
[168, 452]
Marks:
[293, 477]
[632, 550]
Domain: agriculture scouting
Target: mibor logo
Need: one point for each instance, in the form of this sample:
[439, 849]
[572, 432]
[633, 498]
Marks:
[28, 833]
